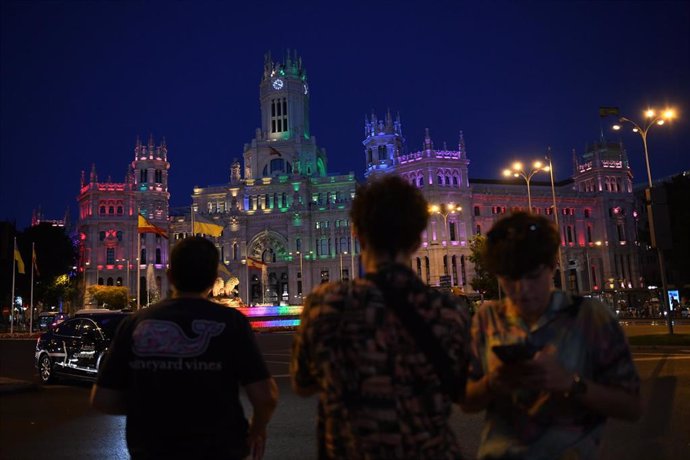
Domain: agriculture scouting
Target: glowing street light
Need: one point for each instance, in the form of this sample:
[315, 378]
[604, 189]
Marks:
[518, 171]
[652, 117]
[444, 211]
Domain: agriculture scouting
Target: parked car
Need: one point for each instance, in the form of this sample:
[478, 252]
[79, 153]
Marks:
[47, 319]
[75, 347]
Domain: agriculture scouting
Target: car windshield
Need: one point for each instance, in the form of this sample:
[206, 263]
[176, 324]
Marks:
[108, 323]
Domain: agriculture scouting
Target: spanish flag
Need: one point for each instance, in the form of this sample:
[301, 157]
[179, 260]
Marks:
[144, 226]
[34, 262]
[253, 263]
[606, 111]
[18, 259]
[207, 228]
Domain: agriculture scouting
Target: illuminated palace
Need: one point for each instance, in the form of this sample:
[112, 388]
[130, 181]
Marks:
[288, 212]
[107, 227]
[285, 210]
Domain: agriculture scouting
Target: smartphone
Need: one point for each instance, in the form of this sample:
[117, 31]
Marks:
[515, 352]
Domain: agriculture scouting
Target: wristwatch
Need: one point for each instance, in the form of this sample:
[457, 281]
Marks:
[577, 388]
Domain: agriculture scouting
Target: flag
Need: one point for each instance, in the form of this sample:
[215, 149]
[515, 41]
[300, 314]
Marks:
[18, 258]
[34, 262]
[207, 228]
[144, 226]
[223, 269]
[606, 111]
[274, 151]
[253, 263]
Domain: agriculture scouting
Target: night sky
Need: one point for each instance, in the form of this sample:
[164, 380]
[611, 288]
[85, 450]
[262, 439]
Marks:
[81, 80]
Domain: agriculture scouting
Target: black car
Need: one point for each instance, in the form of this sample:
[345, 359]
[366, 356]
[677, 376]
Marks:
[75, 347]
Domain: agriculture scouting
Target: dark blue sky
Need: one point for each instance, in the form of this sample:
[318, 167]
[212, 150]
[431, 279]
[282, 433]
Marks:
[80, 81]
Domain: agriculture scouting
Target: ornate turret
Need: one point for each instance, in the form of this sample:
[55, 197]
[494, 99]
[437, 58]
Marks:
[383, 143]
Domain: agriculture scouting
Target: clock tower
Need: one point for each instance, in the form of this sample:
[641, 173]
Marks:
[284, 144]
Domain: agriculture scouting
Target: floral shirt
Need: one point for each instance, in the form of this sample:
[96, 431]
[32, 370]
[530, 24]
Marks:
[379, 395]
[529, 424]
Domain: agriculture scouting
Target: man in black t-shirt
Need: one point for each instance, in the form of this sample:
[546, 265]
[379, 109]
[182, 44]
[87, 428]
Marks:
[175, 369]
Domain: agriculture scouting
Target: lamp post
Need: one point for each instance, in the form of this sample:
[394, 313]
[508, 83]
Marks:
[517, 170]
[444, 211]
[589, 267]
[555, 217]
[652, 118]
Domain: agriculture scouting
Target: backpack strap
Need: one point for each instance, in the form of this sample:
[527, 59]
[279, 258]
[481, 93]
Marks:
[420, 330]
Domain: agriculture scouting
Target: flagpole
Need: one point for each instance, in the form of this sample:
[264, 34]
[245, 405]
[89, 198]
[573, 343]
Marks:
[31, 314]
[14, 267]
[191, 212]
[138, 270]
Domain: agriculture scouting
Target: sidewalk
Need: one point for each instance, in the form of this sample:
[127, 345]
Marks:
[9, 386]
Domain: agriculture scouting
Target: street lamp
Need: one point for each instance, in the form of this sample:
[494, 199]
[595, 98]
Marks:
[561, 270]
[444, 211]
[652, 117]
[517, 170]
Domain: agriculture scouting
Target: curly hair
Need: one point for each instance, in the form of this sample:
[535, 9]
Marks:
[389, 215]
[519, 244]
[194, 264]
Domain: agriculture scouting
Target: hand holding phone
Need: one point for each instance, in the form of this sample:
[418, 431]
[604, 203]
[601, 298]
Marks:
[516, 352]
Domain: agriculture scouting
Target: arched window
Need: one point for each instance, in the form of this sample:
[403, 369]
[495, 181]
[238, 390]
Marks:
[419, 267]
[477, 211]
[235, 251]
[426, 269]
[111, 209]
[382, 153]
[370, 157]
[143, 256]
[158, 255]
[455, 181]
[101, 210]
[110, 281]
[119, 210]
[118, 282]
[100, 281]
[463, 269]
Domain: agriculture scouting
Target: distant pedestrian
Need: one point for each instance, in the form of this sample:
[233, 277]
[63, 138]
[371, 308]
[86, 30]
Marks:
[386, 354]
[175, 370]
[547, 367]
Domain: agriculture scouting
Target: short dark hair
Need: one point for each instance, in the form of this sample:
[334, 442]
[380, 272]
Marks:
[389, 215]
[519, 244]
[193, 264]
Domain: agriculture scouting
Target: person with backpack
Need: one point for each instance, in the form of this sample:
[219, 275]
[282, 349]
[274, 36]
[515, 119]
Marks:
[385, 353]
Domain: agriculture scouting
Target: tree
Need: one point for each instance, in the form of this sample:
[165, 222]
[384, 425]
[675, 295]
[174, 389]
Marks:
[55, 257]
[483, 282]
[113, 297]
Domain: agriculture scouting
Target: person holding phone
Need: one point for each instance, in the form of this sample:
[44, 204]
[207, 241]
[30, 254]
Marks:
[547, 367]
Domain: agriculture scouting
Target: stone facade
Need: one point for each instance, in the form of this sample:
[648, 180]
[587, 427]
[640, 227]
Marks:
[107, 226]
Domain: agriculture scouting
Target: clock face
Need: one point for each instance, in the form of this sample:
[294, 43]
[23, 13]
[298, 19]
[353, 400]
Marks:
[278, 83]
[306, 89]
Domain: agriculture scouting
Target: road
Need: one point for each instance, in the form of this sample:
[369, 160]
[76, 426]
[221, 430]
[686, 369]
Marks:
[57, 423]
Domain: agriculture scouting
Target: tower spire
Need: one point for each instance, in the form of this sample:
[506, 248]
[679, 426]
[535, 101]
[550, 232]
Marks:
[461, 145]
[428, 144]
